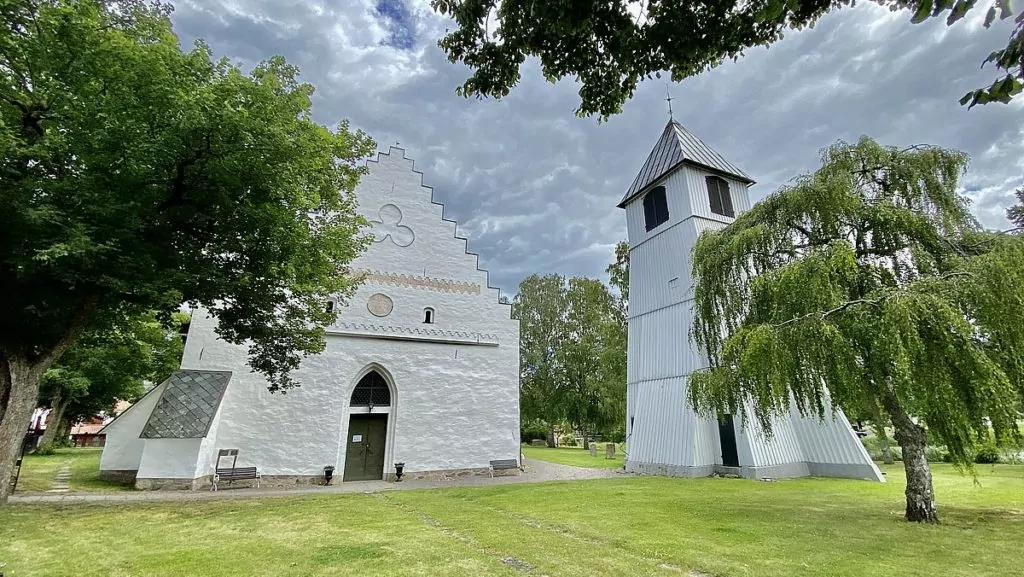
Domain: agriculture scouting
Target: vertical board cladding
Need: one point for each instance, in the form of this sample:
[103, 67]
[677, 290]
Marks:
[455, 380]
[668, 437]
[679, 209]
[658, 345]
[697, 186]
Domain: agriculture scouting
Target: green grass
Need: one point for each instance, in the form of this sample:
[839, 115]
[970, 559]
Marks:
[37, 471]
[619, 526]
[574, 456]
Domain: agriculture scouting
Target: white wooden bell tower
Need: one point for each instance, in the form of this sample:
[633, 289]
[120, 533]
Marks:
[684, 188]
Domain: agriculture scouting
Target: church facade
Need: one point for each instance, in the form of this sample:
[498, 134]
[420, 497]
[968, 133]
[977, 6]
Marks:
[420, 369]
[683, 189]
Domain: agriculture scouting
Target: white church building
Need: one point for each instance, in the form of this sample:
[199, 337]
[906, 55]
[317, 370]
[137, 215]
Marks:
[683, 189]
[421, 368]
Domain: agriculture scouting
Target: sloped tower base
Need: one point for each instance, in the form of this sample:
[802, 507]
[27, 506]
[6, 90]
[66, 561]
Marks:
[667, 437]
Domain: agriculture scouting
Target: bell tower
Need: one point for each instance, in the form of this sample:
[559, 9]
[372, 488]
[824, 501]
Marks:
[683, 189]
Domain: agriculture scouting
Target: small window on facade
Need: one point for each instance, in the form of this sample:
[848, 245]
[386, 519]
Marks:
[330, 306]
[720, 197]
[428, 315]
[655, 208]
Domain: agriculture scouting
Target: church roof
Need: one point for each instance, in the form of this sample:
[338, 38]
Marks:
[676, 146]
[187, 405]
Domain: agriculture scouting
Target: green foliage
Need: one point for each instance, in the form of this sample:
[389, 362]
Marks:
[1015, 213]
[618, 272]
[609, 51]
[533, 430]
[873, 445]
[572, 346]
[137, 176]
[103, 367]
[591, 358]
[539, 306]
[871, 278]
[987, 454]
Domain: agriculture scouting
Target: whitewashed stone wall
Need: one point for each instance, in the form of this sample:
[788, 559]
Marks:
[455, 403]
[122, 450]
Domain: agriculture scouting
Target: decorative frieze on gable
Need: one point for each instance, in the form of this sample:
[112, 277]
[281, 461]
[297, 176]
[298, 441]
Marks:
[412, 333]
[421, 282]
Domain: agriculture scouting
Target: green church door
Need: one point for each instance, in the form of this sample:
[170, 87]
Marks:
[364, 456]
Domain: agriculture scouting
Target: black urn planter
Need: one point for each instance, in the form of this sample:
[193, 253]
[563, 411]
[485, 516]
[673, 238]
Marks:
[398, 471]
[328, 473]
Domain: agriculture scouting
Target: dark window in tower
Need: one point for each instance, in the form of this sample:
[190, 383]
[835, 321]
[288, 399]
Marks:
[428, 315]
[655, 207]
[720, 197]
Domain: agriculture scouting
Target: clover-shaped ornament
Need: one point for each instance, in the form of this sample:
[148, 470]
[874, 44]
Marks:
[390, 224]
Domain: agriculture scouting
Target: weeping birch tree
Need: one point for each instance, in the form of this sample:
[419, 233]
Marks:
[867, 282]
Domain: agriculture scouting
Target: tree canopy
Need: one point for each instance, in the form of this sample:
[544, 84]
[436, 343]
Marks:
[609, 47]
[867, 283]
[135, 176]
[572, 336]
[109, 365]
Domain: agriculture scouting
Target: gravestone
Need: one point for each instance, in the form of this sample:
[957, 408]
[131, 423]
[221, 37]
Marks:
[593, 450]
[538, 443]
[609, 451]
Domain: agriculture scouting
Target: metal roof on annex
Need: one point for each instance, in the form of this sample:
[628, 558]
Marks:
[187, 405]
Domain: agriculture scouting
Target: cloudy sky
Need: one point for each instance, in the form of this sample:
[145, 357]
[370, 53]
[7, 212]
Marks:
[534, 188]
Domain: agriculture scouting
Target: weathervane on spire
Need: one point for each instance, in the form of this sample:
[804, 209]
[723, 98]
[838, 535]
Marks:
[669, 100]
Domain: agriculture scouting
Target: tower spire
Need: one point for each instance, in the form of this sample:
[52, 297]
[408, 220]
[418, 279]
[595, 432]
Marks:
[669, 100]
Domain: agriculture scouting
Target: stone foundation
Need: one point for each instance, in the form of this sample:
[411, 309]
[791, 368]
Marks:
[447, 474]
[784, 471]
[284, 481]
[669, 470]
[173, 484]
[121, 477]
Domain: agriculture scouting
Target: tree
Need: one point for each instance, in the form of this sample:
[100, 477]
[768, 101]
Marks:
[618, 276]
[135, 176]
[868, 282]
[103, 367]
[1016, 213]
[540, 308]
[609, 50]
[587, 387]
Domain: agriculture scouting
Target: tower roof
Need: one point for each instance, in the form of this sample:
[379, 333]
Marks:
[676, 146]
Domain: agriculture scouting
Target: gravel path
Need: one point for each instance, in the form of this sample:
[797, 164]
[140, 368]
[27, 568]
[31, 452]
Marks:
[536, 472]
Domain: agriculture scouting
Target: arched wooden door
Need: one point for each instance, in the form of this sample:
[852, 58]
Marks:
[367, 432]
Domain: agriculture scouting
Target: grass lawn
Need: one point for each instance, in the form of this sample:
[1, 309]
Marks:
[574, 456]
[37, 471]
[620, 526]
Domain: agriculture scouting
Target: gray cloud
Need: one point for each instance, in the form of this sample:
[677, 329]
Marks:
[534, 188]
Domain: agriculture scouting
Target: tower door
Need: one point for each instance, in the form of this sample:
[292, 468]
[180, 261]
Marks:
[364, 454]
[727, 435]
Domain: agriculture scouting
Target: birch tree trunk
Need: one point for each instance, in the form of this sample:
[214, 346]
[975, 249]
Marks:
[911, 437]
